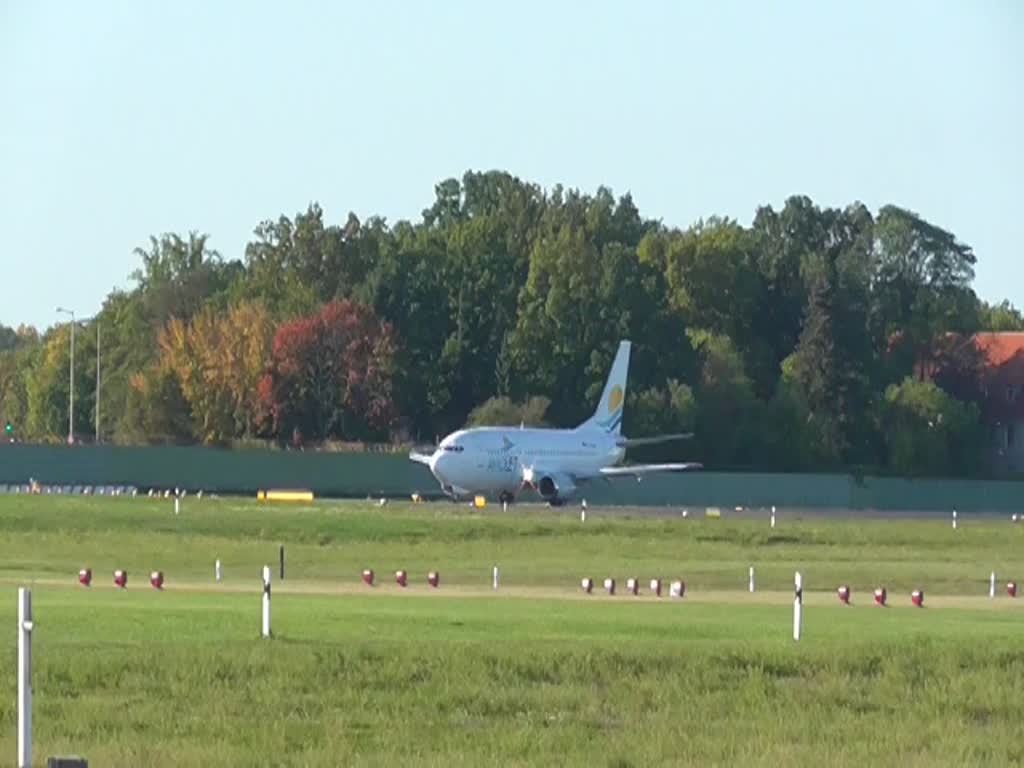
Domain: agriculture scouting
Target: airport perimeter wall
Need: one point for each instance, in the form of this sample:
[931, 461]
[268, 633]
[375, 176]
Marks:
[372, 474]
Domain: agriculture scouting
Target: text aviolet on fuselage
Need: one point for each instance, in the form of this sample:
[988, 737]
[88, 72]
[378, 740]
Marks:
[501, 461]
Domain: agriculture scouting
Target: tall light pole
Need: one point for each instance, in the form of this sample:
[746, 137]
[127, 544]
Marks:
[71, 379]
[97, 319]
[71, 374]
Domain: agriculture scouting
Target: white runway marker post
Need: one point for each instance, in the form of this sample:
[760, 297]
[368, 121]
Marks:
[992, 585]
[24, 678]
[954, 519]
[177, 505]
[494, 578]
[266, 601]
[216, 570]
[798, 606]
[751, 584]
[773, 517]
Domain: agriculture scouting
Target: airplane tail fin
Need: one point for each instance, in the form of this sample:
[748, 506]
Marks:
[608, 416]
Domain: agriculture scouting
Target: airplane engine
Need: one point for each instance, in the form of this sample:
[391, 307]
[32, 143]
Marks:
[555, 489]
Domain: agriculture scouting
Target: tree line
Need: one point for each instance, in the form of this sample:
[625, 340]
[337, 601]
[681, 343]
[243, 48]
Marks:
[795, 343]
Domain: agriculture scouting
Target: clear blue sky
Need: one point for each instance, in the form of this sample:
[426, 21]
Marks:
[121, 120]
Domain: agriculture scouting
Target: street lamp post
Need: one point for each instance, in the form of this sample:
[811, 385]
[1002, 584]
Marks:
[71, 375]
[97, 381]
[71, 379]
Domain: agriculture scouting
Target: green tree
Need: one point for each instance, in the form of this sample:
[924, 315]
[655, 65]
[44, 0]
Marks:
[726, 412]
[922, 284]
[47, 387]
[712, 279]
[586, 290]
[8, 338]
[785, 245]
[14, 372]
[178, 276]
[155, 409]
[999, 317]
[503, 412]
[661, 410]
[408, 288]
[927, 432]
[486, 226]
[832, 367]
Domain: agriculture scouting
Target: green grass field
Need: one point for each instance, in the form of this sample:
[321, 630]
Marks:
[536, 674]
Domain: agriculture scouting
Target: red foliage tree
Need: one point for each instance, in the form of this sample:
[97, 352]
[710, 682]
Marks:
[331, 375]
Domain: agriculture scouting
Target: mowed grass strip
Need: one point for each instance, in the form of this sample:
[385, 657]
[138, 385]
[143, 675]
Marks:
[47, 537]
[140, 677]
[356, 676]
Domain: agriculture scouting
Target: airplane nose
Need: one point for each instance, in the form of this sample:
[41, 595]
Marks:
[438, 462]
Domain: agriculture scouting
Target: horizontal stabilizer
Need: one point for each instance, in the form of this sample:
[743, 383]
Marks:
[632, 442]
[636, 470]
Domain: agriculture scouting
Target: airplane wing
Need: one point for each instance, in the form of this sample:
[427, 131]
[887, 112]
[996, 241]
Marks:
[638, 470]
[631, 442]
[420, 458]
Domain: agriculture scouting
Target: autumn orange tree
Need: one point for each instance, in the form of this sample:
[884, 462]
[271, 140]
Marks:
[218, 360]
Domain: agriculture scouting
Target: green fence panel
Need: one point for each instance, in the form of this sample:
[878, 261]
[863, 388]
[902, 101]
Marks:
[374, 474]
[213, 470]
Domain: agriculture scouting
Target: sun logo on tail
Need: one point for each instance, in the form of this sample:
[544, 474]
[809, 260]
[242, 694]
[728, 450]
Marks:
[615, 399]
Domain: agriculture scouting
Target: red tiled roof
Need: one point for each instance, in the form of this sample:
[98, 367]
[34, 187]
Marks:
[1000, 347]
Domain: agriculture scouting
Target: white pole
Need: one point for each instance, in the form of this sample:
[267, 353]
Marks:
[216, 570]
[954, 519]
[751, 578]
[177, 505]
[495, 579]
[798, 606]
[24, 678]
[71, 384]
[992, 585]
[97, 381]
[266, 601]
[773, 517]
[583, 515]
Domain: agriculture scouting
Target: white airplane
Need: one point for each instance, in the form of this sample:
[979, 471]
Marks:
[504, 460]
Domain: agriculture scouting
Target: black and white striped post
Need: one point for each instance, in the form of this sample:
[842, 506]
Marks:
[798, 606]
[266, 601]
[24, 678]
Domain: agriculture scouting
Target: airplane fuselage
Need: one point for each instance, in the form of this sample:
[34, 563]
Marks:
[500, 460]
